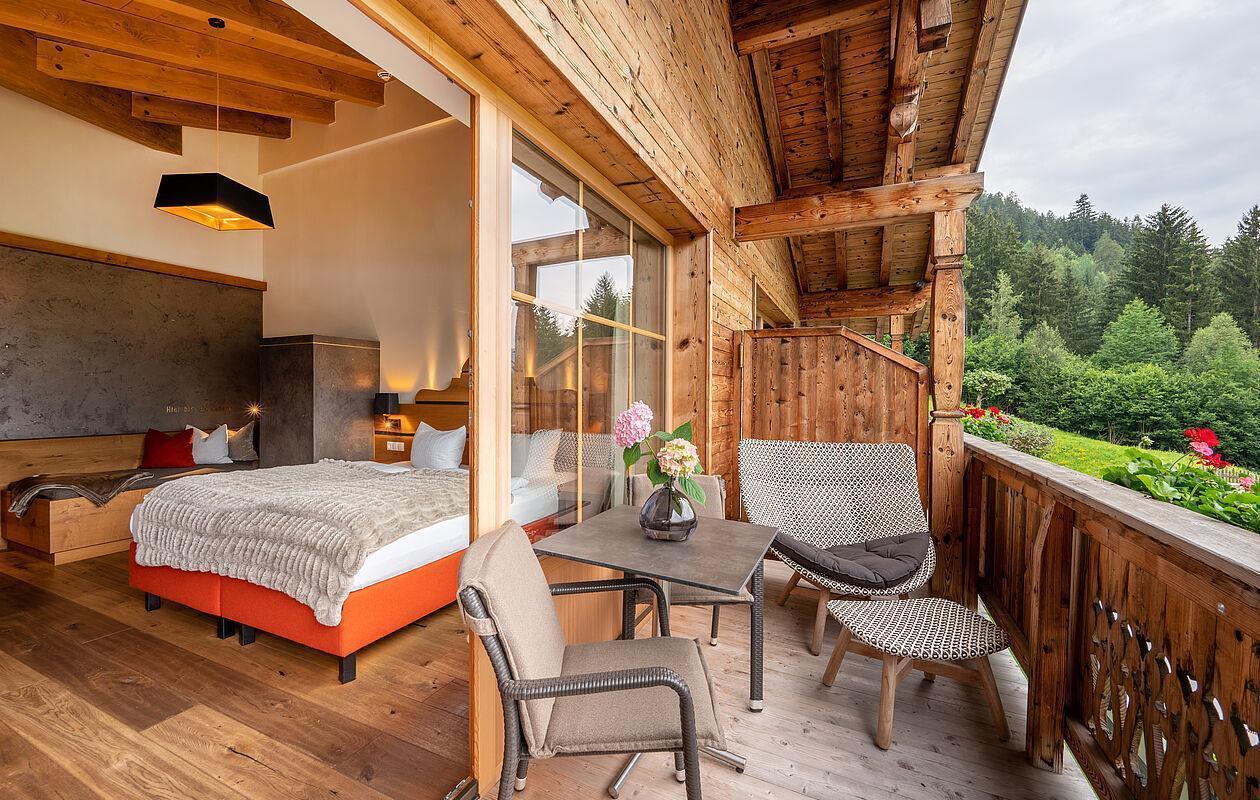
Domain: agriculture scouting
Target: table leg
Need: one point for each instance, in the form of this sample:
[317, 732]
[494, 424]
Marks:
[755, 700]
[627, 610]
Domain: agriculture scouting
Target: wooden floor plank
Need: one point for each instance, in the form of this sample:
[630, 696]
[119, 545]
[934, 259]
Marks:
[98, 750]
[117, 687]
[27, 772]
[252, 763]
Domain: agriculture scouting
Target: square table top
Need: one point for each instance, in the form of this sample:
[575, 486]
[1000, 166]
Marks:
[720, 555]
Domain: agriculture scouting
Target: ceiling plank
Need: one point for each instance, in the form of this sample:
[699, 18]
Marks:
[990, 13]
[873, 302]
[857, 208]
[261, 24]
[72, 63]
[96, 26]
[199, 115]
[105, 108]
[764, 82]
[781, 23]
[936, 19]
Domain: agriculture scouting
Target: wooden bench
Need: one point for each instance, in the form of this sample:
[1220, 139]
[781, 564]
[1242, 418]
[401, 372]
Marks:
[72, 529]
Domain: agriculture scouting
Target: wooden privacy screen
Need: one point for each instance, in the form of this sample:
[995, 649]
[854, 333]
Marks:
[829, 385]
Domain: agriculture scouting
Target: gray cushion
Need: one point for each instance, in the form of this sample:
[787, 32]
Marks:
[714, 494]
[638, 719]
[241, 443]
[876, 563]
[502, 566]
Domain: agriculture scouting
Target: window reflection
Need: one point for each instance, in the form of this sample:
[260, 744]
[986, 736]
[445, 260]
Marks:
[588, 319]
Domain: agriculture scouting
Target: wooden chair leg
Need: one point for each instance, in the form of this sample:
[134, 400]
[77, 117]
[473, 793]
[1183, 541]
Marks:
[820, 621]
[930, 677]
[837, 656]
[991, 694]
[787, 590]
[887, 699]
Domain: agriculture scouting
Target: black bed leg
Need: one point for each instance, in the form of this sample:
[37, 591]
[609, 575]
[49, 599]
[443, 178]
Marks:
[245, 635]
[152, 602]
[346, 668]
[225, 628]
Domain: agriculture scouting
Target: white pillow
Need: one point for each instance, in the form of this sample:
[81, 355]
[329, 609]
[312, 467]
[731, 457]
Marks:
[520, 452]
[540, 465]
[435, 449]
[210, 448]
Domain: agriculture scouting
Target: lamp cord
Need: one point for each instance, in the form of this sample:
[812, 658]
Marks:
[216, 121]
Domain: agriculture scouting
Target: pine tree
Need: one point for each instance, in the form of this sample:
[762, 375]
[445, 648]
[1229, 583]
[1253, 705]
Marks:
[992, 246]
[1082, 224]
[606, 302]
[1165, 262]
[1237, 274]
[1075, 314]
[1003, 318]
[1037, 277]
[1191, 295]
[550, 339]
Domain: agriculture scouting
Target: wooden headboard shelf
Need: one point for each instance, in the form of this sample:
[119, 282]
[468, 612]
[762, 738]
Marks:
[444, 409]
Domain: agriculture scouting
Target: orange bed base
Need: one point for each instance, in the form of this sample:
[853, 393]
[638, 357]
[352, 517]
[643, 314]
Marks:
[369, 614]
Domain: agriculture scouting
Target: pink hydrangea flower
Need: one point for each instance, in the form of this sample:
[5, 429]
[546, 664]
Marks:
[1202, 448]
[633, 425]
[1246, 482]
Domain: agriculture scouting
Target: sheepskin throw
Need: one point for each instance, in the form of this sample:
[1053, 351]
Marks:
[303, 530]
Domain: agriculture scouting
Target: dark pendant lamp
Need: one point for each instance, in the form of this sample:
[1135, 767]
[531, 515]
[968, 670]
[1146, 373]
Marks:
[211, 198]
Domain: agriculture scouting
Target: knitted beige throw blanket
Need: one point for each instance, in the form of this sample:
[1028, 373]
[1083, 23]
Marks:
[303, 530]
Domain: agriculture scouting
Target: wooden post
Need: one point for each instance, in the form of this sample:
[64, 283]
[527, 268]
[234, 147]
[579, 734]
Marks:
[947, 456]
[897, 329]
[490, 398]
[1050, 594]
[690, 339]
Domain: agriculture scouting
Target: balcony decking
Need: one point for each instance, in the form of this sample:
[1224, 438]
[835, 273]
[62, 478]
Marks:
[816, 742]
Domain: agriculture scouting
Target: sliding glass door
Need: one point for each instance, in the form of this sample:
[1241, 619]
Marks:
[588, 320]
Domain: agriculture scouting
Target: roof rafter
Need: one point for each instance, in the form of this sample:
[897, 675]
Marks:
[773, 24]
[879, 301]
[987, 19]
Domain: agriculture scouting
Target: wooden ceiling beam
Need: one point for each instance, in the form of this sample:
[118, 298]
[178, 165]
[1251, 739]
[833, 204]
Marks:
[880, 301]
[105, 108]
[260, 24]
[842, 259]
[118, 31]
[199, 115]
[904, 90]
[73, 63]
[936, 19]
[832, 99]
[916, 322]
[763, 80]
[798, 262]
[886, 237]
[775, 24]
[987, 19]
[857, 208]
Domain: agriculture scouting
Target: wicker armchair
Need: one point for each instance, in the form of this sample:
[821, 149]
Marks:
[625, 696]
[830, 493]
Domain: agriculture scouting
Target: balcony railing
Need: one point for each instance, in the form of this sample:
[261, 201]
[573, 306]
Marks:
[1137, 623]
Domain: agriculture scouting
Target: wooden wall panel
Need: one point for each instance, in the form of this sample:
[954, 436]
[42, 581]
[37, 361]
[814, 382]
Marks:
[827, 385]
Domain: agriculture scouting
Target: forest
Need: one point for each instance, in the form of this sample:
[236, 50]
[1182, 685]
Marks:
[1129, 330]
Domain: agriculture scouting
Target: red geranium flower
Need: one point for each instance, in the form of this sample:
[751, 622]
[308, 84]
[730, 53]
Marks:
[1215, 461]
[1205, 435]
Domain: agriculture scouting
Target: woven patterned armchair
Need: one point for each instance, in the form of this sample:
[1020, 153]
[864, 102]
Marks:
[830, 493]
[624, 696]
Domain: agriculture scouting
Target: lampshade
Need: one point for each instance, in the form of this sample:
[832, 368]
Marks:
[385, 403]
[214, 200]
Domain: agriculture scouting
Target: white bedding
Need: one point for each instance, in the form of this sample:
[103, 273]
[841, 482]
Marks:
[435, 542]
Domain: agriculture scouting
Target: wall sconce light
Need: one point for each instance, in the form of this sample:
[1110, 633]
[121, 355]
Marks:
[386, 405]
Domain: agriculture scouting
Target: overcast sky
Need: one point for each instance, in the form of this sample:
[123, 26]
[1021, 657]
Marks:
[1135, 102]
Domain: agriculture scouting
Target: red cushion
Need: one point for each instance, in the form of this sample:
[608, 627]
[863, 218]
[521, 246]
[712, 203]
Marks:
[162, 450]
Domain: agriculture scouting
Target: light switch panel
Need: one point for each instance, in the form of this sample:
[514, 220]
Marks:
[395, 446]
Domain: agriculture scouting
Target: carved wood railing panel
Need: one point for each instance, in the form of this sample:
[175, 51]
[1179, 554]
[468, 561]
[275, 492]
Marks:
[1138, 623]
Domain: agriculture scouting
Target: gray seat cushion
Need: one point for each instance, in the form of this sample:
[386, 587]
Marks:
[875, 563]
[502, 566]
[637, 719]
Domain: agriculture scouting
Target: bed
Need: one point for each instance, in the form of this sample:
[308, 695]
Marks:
[398, 584]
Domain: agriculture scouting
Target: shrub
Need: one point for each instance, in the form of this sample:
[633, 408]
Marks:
[987, 423]
[981, 383]
[1036, 440]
